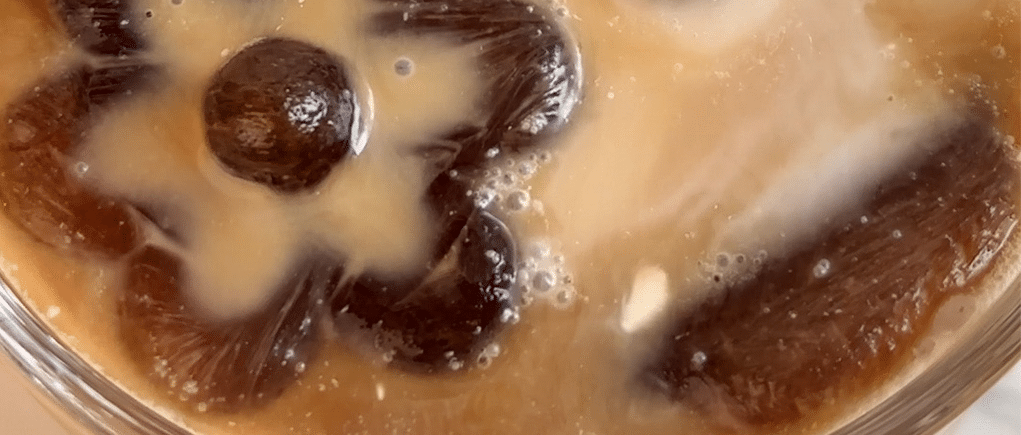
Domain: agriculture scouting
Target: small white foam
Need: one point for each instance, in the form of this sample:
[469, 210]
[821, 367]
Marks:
[647, 299]
[821, 269]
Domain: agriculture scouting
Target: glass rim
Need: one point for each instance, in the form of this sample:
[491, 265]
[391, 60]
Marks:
[67, 380]
[922, 406]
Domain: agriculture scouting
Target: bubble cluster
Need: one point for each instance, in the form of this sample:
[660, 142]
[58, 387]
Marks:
[544, 276]
[726, 269]
[504, 188]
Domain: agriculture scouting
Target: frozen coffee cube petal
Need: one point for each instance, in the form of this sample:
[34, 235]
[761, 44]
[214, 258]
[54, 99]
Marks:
[833, 319]
[103, 27]
[108, 84]
[221, 365]
[282, 113]
[42, 186]
[450, 200]
[530, 62]
[441, 321]
[168, 220]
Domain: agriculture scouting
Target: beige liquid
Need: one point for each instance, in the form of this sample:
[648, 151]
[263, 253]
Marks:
[703, 126]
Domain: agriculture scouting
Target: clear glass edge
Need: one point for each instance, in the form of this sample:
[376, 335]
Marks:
[99, 405]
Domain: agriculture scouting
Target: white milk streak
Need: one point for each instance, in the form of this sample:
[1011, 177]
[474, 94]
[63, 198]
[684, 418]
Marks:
[773, 143]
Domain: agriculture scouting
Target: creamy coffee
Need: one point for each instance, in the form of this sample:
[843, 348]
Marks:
[588, 216]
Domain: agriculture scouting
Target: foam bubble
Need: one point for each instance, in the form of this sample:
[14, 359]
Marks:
[190, 387]
[821, 269]
[488, 354]
[543, 281]
[727, 268]
[510, 316]
[698, 360]
[485, 196]
[543, 275]
[527, 168]
[81, 168]
[564, 297]
[404, 67]
[518, 200]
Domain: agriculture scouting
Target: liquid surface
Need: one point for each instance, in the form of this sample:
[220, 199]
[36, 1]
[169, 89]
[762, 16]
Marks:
[743, 218]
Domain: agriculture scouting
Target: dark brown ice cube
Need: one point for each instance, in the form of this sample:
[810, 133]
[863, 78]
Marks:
[834, 318]
[530, 63]
[167, 219]
[442, 320]
[42, 186]
[281, 112]
[112, 82]
[449, 199]
[221, 365]
[102, 27]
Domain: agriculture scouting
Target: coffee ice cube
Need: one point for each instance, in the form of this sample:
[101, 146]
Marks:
[449, 197]
[832, 319]
[441, 320]
[281, 113]
[110, 83]
[43, 186]
[223, 365]
[102, 27]
[531, 64]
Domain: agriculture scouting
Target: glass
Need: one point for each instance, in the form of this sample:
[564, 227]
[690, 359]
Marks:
[985, 348]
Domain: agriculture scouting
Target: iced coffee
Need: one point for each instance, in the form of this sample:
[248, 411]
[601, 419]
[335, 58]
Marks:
[509, 216]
